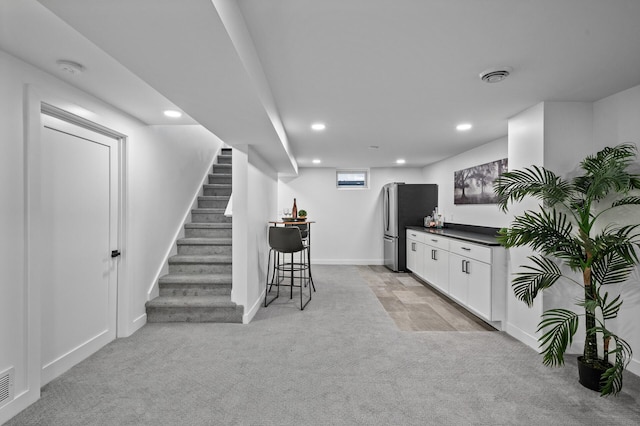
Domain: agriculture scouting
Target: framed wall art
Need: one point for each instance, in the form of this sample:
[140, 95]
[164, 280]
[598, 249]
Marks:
[475, 184]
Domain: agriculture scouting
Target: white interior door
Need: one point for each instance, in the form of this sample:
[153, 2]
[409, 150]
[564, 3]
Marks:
[80, 210]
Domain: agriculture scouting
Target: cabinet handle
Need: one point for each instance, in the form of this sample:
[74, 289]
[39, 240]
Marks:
[413, 246]
[435, 254]
[413, 235]
[435, 241]
[465, 248]
[467, 267]
[463, 265]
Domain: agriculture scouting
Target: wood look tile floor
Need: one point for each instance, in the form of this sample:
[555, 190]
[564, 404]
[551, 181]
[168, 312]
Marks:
[415, 306]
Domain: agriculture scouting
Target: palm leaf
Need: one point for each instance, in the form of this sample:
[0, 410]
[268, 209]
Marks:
[536, 181]
[612, 377]
[547, 231]
[526, 285]
[589, 305]
[606, 172]
[610, 310]
[611, 268]
[560, 325]
[627, 201]
[620, 243]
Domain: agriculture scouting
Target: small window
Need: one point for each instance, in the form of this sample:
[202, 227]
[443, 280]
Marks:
[352, 179]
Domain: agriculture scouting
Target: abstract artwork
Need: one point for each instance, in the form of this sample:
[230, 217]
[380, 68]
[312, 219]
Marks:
[475, 184]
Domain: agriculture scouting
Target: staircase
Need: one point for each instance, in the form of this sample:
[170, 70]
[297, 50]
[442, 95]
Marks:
[198, 286]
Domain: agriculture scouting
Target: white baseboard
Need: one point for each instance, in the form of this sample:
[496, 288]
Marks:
[138, 323]
[347, 262]
[634, 367]
[132, 327]
[522, 336]
[249, 314]
[74, 356]
[19, 403]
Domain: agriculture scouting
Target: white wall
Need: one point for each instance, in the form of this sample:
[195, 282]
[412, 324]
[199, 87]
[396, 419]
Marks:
[616, 121]
[348, 228]
[442, 174]
[526, 148]
[255, 189]
[164, 168]
[167, 165]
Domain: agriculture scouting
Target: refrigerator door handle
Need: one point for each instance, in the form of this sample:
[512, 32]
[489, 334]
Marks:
[386, 209]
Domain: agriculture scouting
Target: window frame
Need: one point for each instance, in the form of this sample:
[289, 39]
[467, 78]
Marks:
[355, 171]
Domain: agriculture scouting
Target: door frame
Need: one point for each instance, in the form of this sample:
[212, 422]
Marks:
[54, 111]
[36, 104]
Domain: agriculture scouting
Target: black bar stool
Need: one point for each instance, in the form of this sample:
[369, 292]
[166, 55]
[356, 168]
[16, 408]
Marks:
[306, 240]
[283, 241]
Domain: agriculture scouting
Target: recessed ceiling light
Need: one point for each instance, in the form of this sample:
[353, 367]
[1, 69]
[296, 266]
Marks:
[318, 126]
[70, 67]
[464, 126]
[173, 113]
[316, 161]
[400, 161]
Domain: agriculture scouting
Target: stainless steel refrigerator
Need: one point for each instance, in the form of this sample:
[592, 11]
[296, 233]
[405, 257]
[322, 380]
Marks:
[404, 205]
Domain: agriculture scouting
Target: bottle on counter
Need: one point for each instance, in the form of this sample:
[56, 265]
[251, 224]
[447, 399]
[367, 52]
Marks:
[294, 210]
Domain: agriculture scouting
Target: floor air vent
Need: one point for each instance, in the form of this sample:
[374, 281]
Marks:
[6, 386]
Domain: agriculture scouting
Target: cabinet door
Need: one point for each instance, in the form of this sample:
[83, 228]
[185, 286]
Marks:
[415, 257]
[411, 255]
[458, 278]
[429, 266]
[479, 287]
[441, 265]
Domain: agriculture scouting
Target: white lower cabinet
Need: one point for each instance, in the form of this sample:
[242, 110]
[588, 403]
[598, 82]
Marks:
[472, 274]
[436, 263]
[415, 257]
[470, 284]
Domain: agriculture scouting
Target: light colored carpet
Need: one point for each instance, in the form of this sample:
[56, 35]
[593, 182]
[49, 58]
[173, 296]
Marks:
[341, 361]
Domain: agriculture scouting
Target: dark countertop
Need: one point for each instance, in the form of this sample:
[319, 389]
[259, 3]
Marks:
[459, 234]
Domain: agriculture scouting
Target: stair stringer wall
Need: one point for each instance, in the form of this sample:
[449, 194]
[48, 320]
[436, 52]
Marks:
[172, 250]
[255, 196]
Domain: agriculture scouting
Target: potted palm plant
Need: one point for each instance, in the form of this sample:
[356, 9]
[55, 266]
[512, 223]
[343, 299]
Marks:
[573, 243]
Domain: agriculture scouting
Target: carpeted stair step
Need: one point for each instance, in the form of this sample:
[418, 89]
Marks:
[217, 189]
[220, 178]
[192, 264]
[193, 309]
[208, 230]
[222, 168]
[224, 159]
[195, 284]
[213, 202]
[204, 246]
[209, 216]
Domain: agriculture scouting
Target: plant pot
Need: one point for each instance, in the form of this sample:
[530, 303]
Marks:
[590, 375]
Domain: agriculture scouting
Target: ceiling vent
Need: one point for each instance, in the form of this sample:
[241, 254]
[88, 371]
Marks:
[70, 67]
[495, 75]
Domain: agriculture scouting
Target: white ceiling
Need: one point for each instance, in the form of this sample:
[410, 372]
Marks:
[399, 74]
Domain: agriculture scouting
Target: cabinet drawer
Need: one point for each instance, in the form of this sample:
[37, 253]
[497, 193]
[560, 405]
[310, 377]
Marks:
[473, 251]
[416, 236]
[437, 241]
